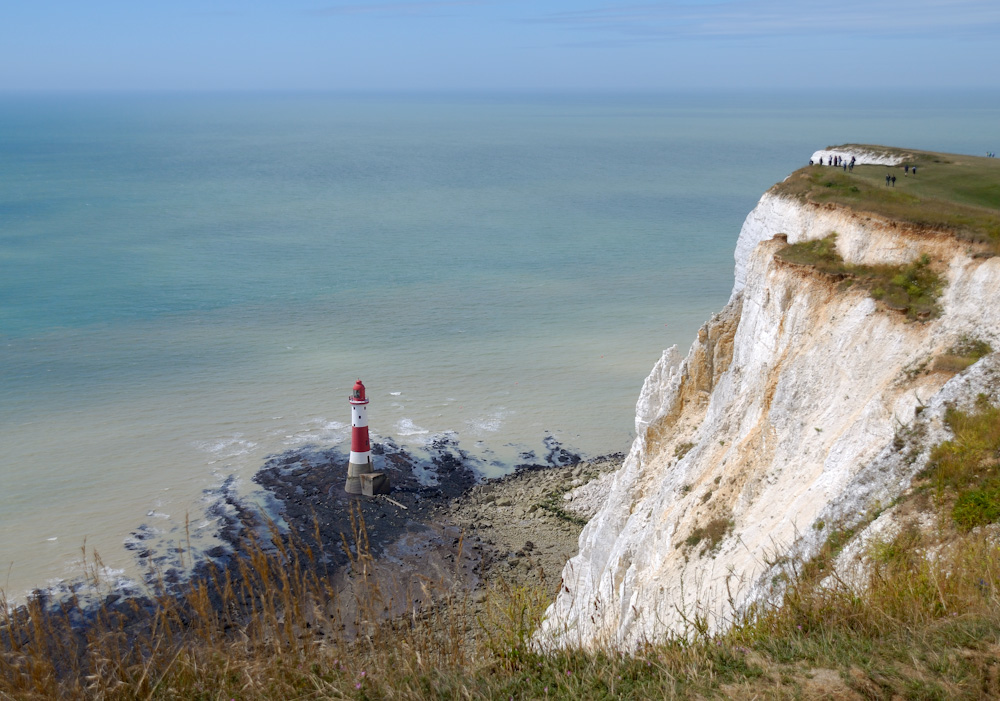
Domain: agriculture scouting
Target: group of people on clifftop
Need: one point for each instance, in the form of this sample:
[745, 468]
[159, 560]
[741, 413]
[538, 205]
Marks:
[837, 162]
[842, 162]
[890, 179]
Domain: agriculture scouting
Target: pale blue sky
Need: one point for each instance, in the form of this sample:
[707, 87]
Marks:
[497, 44]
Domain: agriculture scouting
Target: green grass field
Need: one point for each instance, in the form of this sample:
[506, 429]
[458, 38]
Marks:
[953, 193]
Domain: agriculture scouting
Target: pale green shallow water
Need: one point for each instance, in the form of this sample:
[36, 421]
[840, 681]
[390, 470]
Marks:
[191, 283]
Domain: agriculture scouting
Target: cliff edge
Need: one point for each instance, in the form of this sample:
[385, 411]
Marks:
[807, 404]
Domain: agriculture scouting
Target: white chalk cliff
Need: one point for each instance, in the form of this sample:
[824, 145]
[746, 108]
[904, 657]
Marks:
[790, 415]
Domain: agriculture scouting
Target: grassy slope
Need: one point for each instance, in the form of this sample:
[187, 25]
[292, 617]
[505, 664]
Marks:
[954, 193]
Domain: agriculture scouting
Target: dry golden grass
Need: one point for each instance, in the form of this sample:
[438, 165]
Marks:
[925, 623]
[964, 353]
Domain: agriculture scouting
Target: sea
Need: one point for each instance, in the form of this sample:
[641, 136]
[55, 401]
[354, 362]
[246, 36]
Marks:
[190, 283]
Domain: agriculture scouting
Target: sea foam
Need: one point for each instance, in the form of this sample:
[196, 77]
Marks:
[406, 427]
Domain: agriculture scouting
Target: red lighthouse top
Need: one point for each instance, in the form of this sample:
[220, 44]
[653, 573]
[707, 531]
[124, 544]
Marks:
[358, 394]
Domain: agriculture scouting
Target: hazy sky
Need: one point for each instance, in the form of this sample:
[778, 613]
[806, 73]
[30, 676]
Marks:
[497, 44]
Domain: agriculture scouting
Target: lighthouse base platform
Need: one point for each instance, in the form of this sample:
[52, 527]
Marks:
[361, 479]
[373, 483]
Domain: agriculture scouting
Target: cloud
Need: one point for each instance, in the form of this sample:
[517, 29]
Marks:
[392, 8]
[763, 18]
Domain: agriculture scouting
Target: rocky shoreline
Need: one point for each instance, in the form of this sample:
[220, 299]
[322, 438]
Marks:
[442, 535]
[440, 538]
[527, 524]
[450, 535]
[455, 539]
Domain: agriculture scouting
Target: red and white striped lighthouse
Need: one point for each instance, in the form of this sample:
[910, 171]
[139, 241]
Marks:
[361, 453]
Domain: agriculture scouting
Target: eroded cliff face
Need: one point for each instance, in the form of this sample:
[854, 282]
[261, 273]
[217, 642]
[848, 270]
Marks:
[790, 415]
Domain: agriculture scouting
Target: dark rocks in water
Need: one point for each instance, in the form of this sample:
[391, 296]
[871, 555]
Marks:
[322, 521]
[557, 455]
[216, 553]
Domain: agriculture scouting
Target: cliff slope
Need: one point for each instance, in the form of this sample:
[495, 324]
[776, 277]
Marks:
[797, 410]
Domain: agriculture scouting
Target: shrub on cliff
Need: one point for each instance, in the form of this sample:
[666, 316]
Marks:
[965, 471]
[911, 289]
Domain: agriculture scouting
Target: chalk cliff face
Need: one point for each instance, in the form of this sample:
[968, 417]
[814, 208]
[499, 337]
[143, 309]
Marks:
[791, 414]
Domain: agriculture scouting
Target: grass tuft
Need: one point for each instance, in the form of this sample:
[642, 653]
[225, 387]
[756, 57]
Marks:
[966, 351]
[711, 534]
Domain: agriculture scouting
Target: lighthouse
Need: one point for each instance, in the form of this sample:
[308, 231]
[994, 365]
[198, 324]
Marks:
[361, 476]
[361, 452]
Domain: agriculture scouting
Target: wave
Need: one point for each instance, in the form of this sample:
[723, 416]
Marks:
[318, 430]
[491, 423]
[230, 447]
[406, 427]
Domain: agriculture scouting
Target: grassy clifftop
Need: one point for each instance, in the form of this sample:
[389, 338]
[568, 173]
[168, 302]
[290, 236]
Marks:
[949, 192]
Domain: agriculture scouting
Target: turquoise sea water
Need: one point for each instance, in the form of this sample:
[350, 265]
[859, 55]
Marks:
[189, 283]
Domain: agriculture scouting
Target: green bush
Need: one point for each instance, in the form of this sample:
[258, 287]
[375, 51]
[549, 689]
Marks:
[978, 507]
[967, 468]
[912, 289]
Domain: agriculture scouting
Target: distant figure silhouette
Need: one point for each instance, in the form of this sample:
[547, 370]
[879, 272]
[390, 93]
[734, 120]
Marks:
[894, 181]
[914, 170]
[887, 180]
[906, 169]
